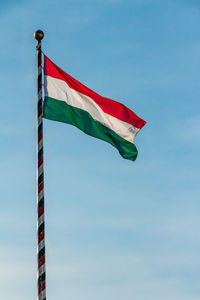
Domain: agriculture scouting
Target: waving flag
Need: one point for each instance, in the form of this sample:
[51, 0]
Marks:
[69, 101]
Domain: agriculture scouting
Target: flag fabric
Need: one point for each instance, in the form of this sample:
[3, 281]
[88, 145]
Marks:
[69, 101]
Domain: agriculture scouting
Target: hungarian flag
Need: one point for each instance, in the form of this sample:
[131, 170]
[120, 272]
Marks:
[69, 101]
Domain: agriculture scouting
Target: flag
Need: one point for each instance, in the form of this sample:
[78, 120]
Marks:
[69, 101]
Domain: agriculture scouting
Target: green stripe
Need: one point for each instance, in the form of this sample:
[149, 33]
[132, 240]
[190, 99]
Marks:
[62, 112]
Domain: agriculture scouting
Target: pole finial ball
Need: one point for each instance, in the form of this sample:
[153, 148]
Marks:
[38, 35]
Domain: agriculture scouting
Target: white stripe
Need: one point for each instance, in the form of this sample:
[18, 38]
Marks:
[40, 95]
[42, 295]
[41, 270]
[40, 144]
[41, 245]
[39, 119]
[39, 70]
[40, 170]
[58, 89]
[41, 195]
[41, 220]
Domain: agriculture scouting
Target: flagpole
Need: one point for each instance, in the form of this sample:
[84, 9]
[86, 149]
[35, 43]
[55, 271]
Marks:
[41, 273]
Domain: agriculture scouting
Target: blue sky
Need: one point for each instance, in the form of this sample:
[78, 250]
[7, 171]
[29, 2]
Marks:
[115, 229]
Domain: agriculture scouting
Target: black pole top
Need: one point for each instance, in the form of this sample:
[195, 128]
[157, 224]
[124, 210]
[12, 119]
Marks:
[38, 35]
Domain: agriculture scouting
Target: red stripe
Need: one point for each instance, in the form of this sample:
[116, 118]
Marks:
[40, 135]
[109, 106]
[41, 211]
[41, 237]
[39, 86]
[40, 187]
[39, 56]
[41, 261]
[40, 161]
[39, 111]
[41, 287]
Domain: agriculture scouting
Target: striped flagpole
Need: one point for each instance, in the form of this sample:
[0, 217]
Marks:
[41, 274]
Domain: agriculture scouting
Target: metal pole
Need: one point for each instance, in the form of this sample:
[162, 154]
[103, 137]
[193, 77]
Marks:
[41, 274]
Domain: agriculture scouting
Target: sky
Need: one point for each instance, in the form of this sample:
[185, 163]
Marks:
[115, 229]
